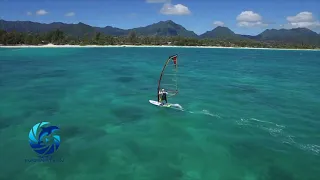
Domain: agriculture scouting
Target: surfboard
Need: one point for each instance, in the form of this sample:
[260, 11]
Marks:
[167, 105]
[159, 104]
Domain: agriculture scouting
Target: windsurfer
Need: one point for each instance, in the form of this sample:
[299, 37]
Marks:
[163, 96]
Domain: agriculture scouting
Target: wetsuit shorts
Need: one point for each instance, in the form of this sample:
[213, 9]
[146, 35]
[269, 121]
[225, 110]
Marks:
[164, 97]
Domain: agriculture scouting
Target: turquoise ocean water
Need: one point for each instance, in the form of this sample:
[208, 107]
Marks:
[248, 114]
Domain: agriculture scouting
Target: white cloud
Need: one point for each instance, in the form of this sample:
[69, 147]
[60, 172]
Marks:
[41, 12]
[249, 16]
[179, 9]
[251, 24]
[218, 23]
[250, 19]
[69, 14]
[302, 19]
[29, 13]
[311, 25]
[156, 1]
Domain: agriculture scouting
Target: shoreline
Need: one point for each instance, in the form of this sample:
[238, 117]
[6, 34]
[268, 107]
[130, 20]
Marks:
[145, 46]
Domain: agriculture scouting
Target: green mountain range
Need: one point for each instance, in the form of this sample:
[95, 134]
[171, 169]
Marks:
[166, 28]
[220, 33]
[162, 28]
[296, 35]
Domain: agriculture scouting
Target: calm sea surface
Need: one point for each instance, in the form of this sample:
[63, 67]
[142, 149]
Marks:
[247, 114]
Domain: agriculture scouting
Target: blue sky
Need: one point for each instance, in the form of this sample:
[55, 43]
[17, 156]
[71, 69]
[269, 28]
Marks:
[241, 16]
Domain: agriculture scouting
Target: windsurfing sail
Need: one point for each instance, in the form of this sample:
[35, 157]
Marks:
[168, 78]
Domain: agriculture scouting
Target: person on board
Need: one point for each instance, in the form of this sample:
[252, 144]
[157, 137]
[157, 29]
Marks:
[163, 96]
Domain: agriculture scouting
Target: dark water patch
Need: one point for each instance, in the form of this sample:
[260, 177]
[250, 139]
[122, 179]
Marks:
[134, 90]
[248, 151]
[13, 72]
[265, 99]
[126, 93]
[175, 131]
[165, 171]
[244, 88]
[14, 119]
[19, 173]
[12, 81]
[147, 88]
[87, 133]
[143, 153]
[124, 176]
[13, 152]
[43, 91]
[69, 132]
[48, 108]
[51, 74]
[42, 104]
[26, 63]
[124, 79]
[277, 173]
[38, 97]
[278, 74]
[20, 72]
[94, 134]
[125, 114]
[242, 149]
[80, 156]
[6, 122]
[123, 70]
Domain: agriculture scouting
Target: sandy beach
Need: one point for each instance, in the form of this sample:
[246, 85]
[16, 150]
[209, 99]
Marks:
[148, 46]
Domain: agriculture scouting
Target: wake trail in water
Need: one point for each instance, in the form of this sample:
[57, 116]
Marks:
[278, 131]
[274, 129]
[203, 112]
